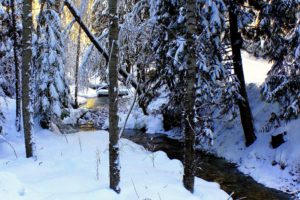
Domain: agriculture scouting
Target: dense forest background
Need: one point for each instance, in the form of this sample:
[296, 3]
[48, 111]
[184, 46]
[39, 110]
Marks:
[180, 60]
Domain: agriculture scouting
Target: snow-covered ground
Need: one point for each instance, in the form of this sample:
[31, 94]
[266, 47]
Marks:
[75, 167]
[255, 70]
[276, 168]
[260, 160]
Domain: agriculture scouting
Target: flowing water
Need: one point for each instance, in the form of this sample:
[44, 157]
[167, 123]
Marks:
[208, 167]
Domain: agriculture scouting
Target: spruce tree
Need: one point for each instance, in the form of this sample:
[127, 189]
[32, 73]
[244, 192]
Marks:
[52, 90]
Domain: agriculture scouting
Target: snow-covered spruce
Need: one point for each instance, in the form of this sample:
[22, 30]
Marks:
[52, 93]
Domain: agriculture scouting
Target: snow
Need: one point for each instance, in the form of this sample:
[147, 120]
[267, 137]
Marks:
[153, 122]
[104, 92]
[76, 167]
[11, 187]
[84, 93]
[255, 69]
[260, 160]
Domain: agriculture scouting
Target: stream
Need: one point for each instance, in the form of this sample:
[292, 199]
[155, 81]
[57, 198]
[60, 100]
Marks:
[209, 167]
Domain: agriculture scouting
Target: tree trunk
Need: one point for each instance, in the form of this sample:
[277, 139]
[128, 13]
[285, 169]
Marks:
[17, 65]
[26, 67]
[77, 66]
[244, 107]
[189, 100]
[114, 165]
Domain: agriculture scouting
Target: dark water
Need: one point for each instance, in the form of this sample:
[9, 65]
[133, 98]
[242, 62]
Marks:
[208, 167]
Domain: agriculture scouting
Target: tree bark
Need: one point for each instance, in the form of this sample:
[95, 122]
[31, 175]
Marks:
[244, 107]
[77, 66]
[189, 100]
[26, 67]
[17, 65]
[114, 165]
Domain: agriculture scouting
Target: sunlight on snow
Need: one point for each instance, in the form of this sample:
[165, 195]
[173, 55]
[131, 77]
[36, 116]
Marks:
[255, 70]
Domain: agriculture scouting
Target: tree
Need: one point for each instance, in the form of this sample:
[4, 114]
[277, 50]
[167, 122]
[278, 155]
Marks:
[26, 73]
[114, 165]
[6, 54]
[189, 97]
[52, 89]
[243, 103]
[16, 38]
[277, 32]
[77, 68]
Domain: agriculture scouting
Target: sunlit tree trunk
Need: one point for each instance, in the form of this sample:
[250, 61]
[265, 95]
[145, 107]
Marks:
[114, 165]
[77, 67]
[189, 100]
[244, 107]
[26, 67]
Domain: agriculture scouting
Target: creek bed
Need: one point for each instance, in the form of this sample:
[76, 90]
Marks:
[209, 167]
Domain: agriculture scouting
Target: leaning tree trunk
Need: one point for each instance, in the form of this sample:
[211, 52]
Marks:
[244, 107]
[114, 165]
[77, 67]
[189, 100]
[26, 67]
[17, 64]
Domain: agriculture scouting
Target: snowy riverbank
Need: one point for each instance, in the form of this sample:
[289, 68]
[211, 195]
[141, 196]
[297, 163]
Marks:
[275, 168]
[75, 167]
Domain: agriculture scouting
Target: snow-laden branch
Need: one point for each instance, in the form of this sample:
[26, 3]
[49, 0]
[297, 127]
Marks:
[96, 43]
[93, 39]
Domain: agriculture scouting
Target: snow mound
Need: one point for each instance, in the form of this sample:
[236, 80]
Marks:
[75, 167]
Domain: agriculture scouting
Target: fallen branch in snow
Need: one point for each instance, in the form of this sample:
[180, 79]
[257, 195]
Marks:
[135, 189]
[9, 144]
[230, 196]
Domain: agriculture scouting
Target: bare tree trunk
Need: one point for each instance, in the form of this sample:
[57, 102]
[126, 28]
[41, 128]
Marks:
[189, 100]
[26, 67]
[244, 107]
[77, 66]
[17, 65]
[114, 165]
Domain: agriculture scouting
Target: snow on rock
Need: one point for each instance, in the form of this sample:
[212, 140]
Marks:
[154, 124]
[137, 120]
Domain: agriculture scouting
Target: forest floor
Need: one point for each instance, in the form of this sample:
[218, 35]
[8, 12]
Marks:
[75, 167]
